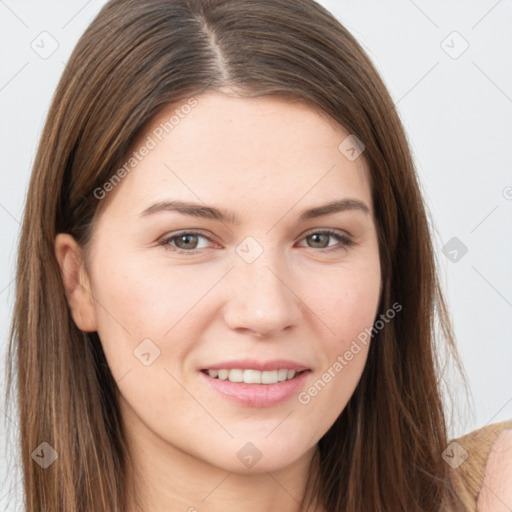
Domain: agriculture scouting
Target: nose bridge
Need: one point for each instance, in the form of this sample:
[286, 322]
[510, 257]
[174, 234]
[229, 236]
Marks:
[261, 298]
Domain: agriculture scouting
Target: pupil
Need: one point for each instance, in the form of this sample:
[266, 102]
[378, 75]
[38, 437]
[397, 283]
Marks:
[316, 238]
[186, 239]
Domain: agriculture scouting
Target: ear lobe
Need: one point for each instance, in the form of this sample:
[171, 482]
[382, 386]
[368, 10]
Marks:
[76, 282]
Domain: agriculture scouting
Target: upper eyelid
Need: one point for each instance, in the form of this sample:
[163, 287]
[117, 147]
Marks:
[203, 234]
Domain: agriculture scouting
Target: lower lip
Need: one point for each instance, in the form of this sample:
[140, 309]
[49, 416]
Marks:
[257, 395]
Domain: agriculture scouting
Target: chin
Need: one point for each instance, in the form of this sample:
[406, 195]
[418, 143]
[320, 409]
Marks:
[261, 456]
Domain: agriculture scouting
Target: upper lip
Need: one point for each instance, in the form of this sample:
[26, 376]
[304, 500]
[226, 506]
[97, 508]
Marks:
[254, 364]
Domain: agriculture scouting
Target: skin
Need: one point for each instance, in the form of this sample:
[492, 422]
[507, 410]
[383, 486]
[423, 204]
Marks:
[496, 491]
[267, 160]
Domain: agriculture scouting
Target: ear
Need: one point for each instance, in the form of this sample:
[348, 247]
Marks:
[76, 282]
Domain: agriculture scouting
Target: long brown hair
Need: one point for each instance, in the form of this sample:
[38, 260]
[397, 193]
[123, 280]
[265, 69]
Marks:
[383, 453]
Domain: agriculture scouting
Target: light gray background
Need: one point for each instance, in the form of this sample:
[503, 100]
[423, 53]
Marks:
[457, 110]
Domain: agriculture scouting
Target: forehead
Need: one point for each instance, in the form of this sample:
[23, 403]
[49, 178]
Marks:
[226, 149]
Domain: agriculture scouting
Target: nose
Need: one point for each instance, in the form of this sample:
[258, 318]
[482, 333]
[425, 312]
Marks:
[261, 300]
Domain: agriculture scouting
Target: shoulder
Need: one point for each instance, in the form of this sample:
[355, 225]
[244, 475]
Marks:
[480, 464]
[496, 492]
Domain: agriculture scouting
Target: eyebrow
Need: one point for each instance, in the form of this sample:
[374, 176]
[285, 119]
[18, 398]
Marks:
[227, 216]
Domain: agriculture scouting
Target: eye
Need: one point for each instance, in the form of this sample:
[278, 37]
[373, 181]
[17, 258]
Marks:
[186, 241]
[320, 240]
[190, 241]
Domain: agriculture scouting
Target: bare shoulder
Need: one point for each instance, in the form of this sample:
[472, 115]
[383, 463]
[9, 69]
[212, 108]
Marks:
[496, 492]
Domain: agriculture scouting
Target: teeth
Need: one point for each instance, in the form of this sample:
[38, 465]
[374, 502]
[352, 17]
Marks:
[269, 377]
[222, 374]
[282, 375]
[253, 376]
[236, 376]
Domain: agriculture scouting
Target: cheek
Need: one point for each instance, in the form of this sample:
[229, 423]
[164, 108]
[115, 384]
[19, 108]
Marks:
[347, 307]
[136, 302]
[348, 301]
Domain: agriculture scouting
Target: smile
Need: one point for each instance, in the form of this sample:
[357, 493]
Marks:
[255, 388]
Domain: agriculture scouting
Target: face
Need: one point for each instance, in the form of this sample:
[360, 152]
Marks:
[215, 252]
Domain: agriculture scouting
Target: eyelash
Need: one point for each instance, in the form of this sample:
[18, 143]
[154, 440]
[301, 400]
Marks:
[345, 241]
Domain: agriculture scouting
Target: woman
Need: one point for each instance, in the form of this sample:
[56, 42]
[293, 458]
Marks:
[226, 290]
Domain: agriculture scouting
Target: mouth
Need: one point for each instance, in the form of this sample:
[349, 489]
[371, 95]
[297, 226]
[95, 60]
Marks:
[251, 376]
[255, 388]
